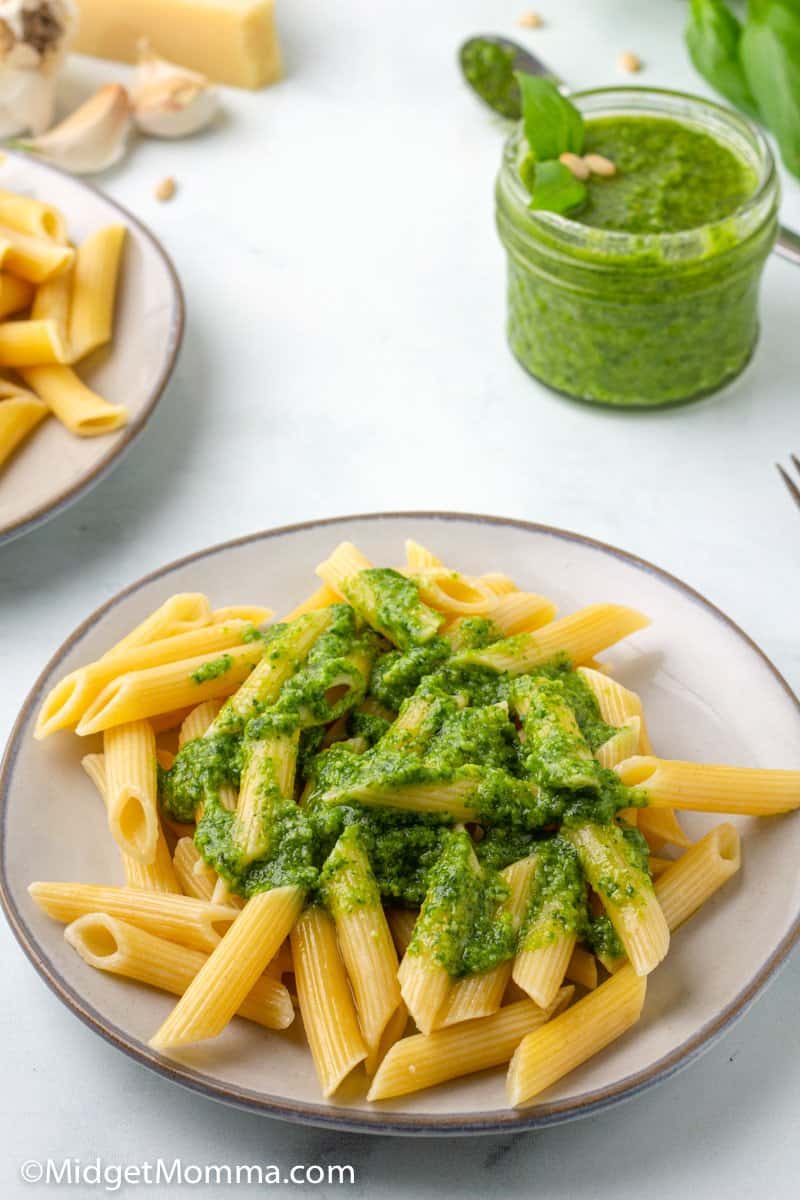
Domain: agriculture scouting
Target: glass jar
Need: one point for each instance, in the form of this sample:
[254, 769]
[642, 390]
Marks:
[646, 319]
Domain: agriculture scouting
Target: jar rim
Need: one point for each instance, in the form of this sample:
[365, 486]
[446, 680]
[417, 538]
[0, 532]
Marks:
[670, 244]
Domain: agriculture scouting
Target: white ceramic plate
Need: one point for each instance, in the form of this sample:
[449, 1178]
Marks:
[53, 467]
[709, 694]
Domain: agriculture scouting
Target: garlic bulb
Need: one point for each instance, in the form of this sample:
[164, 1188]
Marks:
[92, 138]
[34, 37]
[170, 101]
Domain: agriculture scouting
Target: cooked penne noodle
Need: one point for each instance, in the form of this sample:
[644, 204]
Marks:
[582, 968]
[33, 258]
[52, 303]
[425, 986]
[451, 593]
[157, 876]
[660, 826]
[20, 413]
[479, 995]
[698, 873]
[540, 972]
[658, 866]
[625, 891]
[198, 721]
[251, 614]
[622, 745]
[617, 704]
[703, 787]
[578, 637]
[31, 216]
[419, 1062]
[153, 690]
[329, 1017]
[195, 876]
[76, 406]
[352, 575]
[522, 612]
[267, 780]
[323, 597]
[33, 346]
[231, 970]
[180, 919]
[559, 1046]
[66, 703]
[345, 562]
[115, 946]
[288, 651]
[419, 558]
[179, 614]
[131, 789]
[402, 922]
[352, 898]
[500, 584]
[15, 294]
[94, 290]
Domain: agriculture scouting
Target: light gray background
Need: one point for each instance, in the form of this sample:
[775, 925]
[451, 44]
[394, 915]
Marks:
[345, 352]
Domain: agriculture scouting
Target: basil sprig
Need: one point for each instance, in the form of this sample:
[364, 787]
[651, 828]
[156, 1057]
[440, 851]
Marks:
[755, 65]
[553, 126]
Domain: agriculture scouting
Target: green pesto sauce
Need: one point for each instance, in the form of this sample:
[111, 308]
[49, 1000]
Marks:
[474, 633]
[489, 69]
[399, 613]
[466, 732]
[557, 901]
[213, 669]
[670, 176]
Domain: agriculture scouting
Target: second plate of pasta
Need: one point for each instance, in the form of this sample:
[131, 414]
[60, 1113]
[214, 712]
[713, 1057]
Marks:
[429, 823]
[91, 321]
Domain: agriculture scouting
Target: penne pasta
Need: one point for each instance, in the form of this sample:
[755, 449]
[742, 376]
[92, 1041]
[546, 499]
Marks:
[693, 878]
[522, 612]
[559, 1046]
[622, 745]
[15, 295]
[20, 413]
[35, 346]
[625, 891]
[419, 1062]
[195, 876]
[582, 968]
[617, 704]
[33, 258]
[131, 786]
[577, 637]
[168, 686]
[94, 290]
[67, 396]
[52, 303]
[451, 593]
[180, 919]
[329, 1017]
[419, 558]
[231, 970]
[352, 898]
[179, 614]
[197, 722]
[121, 949]
[157, 876]
[703, 787]
[34, 217]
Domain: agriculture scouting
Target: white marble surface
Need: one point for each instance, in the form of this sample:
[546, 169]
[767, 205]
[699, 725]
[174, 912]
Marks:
[345, 352]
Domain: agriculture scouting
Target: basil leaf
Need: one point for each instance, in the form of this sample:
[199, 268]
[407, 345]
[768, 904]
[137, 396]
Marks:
[554, 188]
[713, 38]
[770, 52]
[552, 123]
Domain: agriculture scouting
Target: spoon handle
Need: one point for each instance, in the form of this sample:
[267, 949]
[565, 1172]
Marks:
[787, 244]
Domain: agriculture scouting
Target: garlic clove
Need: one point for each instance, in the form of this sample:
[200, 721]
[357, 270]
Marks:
[170, 101]
[34, 38]
[90, 139]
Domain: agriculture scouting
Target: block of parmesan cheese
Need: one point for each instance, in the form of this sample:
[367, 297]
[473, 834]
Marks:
[230, 41]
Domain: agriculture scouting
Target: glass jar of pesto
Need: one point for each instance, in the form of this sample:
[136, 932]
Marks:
[648, 295]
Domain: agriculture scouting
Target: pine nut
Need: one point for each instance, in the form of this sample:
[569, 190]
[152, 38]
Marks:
[166, 189]
[629, 62]
[578, 167]
[598, 164]
[531, 20]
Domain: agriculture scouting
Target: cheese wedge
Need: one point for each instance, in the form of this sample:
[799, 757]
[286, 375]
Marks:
[230, 41]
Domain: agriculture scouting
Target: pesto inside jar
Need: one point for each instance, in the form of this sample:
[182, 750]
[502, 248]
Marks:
[647, 293]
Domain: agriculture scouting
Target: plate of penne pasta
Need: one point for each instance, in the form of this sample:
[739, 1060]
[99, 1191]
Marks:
[91, 321]
[416, 823]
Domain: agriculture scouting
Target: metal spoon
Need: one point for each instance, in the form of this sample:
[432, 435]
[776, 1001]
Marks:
[787, 244]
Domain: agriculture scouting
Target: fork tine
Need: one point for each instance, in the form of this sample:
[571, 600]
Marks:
[794, 490]
[796, 462]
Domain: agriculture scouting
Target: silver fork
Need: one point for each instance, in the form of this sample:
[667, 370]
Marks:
[794, 490]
